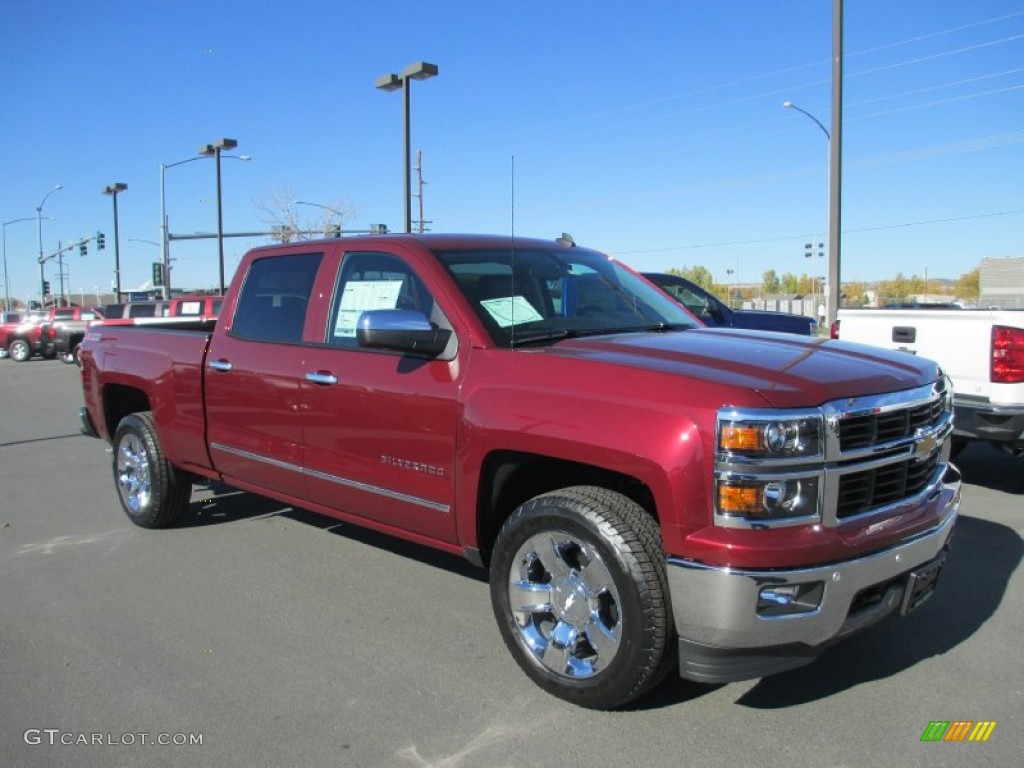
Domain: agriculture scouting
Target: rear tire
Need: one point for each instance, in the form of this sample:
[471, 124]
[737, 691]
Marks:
[580, 594]
[152, 492]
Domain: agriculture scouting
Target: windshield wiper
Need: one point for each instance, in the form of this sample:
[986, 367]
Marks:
[542, 338]
[576, 333]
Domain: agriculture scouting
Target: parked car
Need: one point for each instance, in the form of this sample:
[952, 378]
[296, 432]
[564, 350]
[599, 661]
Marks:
[22, 339]
[64, 328]
[712, 311]
[649, 495]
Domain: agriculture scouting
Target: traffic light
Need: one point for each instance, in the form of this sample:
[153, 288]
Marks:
[46, 287]
[158, 273]
[83, 248]
[101, 241]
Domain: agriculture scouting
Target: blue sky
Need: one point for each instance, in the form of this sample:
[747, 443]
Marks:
[653, 131]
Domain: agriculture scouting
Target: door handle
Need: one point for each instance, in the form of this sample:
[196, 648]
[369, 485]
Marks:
[220, 365]
[322, 377]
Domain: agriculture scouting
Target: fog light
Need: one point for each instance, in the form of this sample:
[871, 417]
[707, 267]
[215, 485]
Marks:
[787, 599]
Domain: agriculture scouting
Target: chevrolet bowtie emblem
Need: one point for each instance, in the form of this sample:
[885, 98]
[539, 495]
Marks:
[925, 446]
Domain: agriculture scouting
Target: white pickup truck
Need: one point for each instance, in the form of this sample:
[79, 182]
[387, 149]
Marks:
[982, 351]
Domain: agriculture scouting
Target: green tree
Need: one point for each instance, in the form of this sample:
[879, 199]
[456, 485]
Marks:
[700, 275]
[968, 286]
[770, 282]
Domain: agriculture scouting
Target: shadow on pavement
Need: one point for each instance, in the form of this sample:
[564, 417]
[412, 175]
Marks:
[224, 504]
[988, 467]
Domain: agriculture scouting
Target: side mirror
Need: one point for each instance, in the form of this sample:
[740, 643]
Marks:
[401, 330]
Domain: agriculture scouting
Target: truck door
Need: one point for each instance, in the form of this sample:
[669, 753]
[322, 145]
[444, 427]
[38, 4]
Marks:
[380, 426]
[254, 369]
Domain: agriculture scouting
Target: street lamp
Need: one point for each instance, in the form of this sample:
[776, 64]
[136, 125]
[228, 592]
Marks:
[215, 149]
[339, 214]
[165, 244]
[39, 227]
[114, 190]
[391, 82]
[832, 283]
[817, 122]
[835, 162]
[7, 277]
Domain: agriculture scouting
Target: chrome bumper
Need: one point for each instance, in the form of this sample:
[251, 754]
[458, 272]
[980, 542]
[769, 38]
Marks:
[723, 637]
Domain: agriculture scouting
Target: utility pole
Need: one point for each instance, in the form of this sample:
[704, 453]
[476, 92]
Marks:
[419, 186]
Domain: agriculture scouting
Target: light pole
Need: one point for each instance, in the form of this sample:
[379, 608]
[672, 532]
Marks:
[215, 149]
[39, 229]
[809, 254]
[7, 277]
[730, 272]
[114, 190]
[419, 71]
[165, 243]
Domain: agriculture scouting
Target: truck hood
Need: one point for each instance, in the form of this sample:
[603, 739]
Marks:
[787, 370]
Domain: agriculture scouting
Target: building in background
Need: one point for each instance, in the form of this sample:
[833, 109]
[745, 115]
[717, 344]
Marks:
[1001, 283]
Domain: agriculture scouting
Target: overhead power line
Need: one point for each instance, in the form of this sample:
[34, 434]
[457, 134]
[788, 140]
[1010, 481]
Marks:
[782, 238]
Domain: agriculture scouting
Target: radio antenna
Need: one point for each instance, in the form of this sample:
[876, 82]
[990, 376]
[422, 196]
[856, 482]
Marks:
[512, 277]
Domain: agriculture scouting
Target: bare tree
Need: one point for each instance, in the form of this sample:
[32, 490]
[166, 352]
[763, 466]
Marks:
[290, 220]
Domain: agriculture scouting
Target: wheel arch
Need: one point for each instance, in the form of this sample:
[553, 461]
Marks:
[511, 478]
[120, 400]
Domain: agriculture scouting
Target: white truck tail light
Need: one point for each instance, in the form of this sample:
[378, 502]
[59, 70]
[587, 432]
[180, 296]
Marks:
[1007, 355]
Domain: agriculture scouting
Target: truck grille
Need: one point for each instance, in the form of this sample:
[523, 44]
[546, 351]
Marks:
[866, 431]
[863, 491]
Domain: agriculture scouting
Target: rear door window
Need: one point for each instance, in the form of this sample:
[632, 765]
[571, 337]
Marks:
[274, 298]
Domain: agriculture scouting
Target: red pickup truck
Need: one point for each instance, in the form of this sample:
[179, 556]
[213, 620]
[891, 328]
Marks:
[648, 494]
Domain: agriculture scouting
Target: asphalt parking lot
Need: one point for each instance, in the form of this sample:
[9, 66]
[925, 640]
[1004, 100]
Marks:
[279, 638]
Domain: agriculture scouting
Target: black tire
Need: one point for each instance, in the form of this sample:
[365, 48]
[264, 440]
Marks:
[152, 492]
[597, 628]
[20, 350]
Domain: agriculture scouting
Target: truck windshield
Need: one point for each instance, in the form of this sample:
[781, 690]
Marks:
[532, 295]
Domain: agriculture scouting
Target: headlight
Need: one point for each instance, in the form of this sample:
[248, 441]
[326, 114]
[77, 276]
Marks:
[767, 499]
[770, 438]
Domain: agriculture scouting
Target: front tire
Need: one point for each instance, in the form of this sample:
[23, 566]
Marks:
[152, 492]
[19, 350]
[580, 594]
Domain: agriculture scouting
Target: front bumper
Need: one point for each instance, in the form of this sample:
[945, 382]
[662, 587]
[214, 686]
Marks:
[723, 637]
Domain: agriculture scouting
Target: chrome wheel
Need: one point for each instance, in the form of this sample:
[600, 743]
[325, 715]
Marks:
[20, 351]
[565, 603]
[134, 482]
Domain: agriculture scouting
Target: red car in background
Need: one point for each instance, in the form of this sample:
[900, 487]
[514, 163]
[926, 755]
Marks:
[21, 336]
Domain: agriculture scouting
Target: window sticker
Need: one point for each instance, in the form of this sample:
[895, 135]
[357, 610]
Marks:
[190, 307]
[360, 296]
[511, 309]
